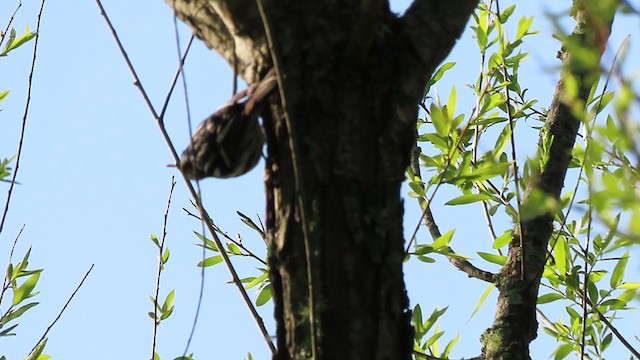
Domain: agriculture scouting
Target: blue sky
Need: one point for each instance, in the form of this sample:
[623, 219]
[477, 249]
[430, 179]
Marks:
[94, 186]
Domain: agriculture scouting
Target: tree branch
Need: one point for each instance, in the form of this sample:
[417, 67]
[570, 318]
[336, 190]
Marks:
[432, 27]
[231, 28]
[515, 325]
[430, 222]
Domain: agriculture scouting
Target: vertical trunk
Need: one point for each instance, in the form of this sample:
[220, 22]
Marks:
[341, 149]
[339, 137]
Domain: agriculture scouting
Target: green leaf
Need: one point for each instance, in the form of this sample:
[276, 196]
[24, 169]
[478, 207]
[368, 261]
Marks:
[426, 259]
[165, 256]
[482, 299]
[154, 238]
[7, 331]
[550, 297]
[618, 271]
[562, 351]
[188, 357]
[210, 245]
[210, 261]
[629, 285]
[15, 42]
[433, 318]
[37, 350]
[440, 119]
[168, 301]
[560, 253]
[257, 280]
[468, 199]
[606, 341]
[264, 296]
[417, 322]
[451, 102]
[492, 258]
[523, 27]
[13, 314]
[430, 341]
[249, 222]
[443, 240]
[24, 290]
[449, 347]
[166, 314]
[437, 76]
[233, 249]
[4, 94]
[506, 13]
[614, 304]
[503, 239]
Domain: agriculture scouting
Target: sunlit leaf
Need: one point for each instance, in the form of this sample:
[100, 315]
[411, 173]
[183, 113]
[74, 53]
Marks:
[482, 299]
[468, 199]
[618, 271]
[492, 258]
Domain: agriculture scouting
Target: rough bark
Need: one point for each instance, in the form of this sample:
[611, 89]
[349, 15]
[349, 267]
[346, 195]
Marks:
[515, 324]
[339, 139]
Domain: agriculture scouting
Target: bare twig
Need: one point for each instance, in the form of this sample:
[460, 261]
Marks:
[175, 78]
[64, 307]
[194, 194]
[6, 29]
[24, 119]
[618, 335]
[182, 75]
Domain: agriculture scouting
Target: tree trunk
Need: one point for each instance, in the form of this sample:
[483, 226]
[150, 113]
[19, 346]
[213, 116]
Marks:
[339, 136]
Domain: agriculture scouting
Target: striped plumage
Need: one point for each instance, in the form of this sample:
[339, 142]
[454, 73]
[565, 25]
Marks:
[229, 142]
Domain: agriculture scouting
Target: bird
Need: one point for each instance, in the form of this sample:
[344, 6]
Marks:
[229, 142]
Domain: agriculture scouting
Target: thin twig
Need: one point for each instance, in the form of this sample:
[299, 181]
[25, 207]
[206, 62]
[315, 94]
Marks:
[24, 119]
[183, 76]
[160, 244]
[514, 158]
[6, 29]
[450, 156]
[175, 78]
[430, 222]
[6, 284]
[64, 307]
[585, 285]
[192, 191]
[249, 253]
[618, 335]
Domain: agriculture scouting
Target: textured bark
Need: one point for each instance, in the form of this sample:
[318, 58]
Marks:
[339, 141]
[515, 324]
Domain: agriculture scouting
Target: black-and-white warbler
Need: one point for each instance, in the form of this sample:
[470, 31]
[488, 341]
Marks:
[229, 142]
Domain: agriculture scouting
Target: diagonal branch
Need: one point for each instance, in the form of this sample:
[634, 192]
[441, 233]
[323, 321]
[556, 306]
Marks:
[203, 212]
[430, 222]
[515, 325]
